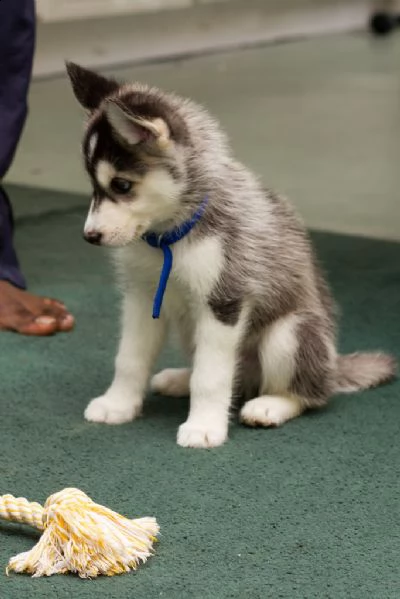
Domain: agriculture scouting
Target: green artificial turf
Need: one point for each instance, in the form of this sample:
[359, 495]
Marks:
[309, 510]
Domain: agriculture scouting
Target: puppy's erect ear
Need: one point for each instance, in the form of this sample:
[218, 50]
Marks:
[135, 129]
[90, 89]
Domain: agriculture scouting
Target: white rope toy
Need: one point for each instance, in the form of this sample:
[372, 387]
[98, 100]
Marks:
[79, 536]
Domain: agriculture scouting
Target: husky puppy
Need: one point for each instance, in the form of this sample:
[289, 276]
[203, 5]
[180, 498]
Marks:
[253, 310]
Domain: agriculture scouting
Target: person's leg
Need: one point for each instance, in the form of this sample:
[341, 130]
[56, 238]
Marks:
[19, 310]
[17, 43]
[9, 265]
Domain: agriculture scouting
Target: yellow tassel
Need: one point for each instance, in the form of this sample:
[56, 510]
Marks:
[79, 536]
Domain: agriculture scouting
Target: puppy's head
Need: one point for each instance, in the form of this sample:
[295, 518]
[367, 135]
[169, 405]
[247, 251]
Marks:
[134, 152]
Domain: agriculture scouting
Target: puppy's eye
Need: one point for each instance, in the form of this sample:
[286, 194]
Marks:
[120, 186]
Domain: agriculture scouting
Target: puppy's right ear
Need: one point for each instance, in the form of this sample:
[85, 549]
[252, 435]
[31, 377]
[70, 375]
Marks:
[90, 89]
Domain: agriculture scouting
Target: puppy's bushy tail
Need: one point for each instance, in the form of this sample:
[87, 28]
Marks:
[364, 370]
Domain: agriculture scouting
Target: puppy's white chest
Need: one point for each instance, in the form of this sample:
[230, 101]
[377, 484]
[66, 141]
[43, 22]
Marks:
[196, 267]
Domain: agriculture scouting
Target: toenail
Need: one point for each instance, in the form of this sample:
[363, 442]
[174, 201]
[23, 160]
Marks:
[45, 320]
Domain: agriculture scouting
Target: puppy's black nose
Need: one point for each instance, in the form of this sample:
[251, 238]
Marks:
[93, 237]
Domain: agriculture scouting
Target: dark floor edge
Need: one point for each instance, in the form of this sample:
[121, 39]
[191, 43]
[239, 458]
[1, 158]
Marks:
[199, 53]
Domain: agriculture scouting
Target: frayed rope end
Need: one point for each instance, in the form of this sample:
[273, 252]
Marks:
[81, 537]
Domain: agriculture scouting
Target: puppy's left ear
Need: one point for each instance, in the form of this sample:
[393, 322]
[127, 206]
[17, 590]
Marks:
[134, 129]
[90, 89]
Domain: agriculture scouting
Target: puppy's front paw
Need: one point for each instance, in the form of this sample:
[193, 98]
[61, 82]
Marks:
[111, 410]
[200, 435]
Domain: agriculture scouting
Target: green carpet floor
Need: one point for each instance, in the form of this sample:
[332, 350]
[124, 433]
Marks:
[307, 511]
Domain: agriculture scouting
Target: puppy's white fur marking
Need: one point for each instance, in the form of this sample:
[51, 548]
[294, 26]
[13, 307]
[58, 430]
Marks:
[271, 410]
[112, 408]
[115, 221]
[160, 193]
[202, 435]
[211, 382]
[141, 341]
[123, 221]
[104, 173]
[278, 354]
[172, 382]
[199, 264]
[90, 224]
[92, 145]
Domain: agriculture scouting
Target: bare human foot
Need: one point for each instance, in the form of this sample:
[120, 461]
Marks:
[29, 314]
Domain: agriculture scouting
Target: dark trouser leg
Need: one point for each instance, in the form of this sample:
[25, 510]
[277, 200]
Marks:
[9, 266]
[17, 40]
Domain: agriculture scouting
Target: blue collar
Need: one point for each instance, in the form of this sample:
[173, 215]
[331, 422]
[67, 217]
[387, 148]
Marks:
[164, 242]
